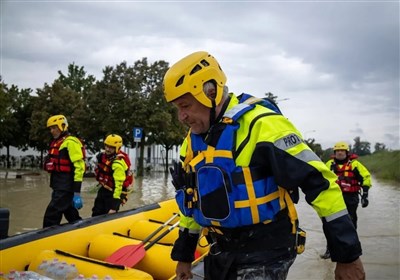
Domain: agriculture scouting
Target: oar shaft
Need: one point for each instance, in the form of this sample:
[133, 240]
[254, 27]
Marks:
[148, 238]
[148, 246]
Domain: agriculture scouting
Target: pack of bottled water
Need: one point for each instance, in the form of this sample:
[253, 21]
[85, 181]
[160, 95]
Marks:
[50, 270]
[58, 270]
[22, 275]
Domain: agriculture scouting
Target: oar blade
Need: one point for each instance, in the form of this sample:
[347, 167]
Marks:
[135, 257]
[125, 255]
[130, 255]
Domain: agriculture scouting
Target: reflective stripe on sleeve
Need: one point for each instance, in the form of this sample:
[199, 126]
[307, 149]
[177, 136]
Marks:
[292, 140]
[336, 215]
[192, 231]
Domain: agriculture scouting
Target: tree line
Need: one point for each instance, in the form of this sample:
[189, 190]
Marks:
[125, 97]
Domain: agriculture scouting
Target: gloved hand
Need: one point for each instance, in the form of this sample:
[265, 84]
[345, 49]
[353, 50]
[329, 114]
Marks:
[364, 196]
[77, 201]
[364, 200]
[178, 176]
[124, 198]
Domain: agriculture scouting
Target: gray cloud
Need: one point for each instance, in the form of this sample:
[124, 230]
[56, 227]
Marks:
[337, 62]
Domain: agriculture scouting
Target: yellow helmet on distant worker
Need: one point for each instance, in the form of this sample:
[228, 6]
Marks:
[190, 73]
[341, 146]
[115, 141]
[58, 120]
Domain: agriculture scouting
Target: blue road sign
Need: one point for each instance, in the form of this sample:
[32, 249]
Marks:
[137, 134]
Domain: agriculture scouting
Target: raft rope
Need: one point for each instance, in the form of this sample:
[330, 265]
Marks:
[110, 265]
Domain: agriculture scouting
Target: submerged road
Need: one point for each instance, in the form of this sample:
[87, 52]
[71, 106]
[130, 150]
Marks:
[378, 229]
[378, 224]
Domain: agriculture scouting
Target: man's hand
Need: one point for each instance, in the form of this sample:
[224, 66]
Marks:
[77, 201]
[364, 197]
[124, 198]
[183, 271]
[178, 176]
[350, 271]
[364, 200]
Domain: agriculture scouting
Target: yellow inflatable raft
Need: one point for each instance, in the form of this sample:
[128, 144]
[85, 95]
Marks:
[88, 244]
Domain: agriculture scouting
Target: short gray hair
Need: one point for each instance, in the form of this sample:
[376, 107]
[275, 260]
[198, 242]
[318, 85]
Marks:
[209, 89]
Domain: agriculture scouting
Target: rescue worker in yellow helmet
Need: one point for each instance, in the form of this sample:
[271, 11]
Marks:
[111, 173]
[353, 179]
[240, 162]
[66, 165]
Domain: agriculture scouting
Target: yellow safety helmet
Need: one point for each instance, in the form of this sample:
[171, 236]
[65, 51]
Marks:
[114, 140]
[341, 146]
[58, 120]
[190, 73]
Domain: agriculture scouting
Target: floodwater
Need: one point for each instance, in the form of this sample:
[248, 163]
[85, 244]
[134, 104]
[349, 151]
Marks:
[378, 224]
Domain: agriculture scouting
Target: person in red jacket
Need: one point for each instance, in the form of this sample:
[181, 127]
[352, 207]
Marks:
[353, 179]
[113, 175]
[66, 165]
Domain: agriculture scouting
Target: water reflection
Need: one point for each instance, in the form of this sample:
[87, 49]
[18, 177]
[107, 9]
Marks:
[378, 227]
[28, 196]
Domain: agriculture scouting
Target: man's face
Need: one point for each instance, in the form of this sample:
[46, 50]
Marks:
[193, 113]
[340, 154]
[109, 150]
[55, 131]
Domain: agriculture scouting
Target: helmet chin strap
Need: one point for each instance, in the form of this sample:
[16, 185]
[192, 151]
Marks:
[212, 113]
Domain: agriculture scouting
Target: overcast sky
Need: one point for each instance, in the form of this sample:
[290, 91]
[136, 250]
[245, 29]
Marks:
[334, 64]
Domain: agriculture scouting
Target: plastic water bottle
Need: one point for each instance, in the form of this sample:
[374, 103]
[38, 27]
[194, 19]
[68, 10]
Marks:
[12, 275]
[42, 268]
[60, 273]
[51, 269]
[32, 275]
[72, 272]
[79, 277]
[22, 275]
[94, 277]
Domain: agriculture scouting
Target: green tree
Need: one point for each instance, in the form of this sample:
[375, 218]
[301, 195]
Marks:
[158, 119]
[361, 148]
[54, 100]
[112, 105]
[164, 126]
[80, 83]
[66, 96]
[77, 79]
[326, 154]
[15, 112]
[379, 147]
[315, 147]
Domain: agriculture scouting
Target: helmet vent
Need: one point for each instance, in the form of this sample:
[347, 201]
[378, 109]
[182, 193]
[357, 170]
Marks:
[195, 69]
[205, 63]
[180, 81]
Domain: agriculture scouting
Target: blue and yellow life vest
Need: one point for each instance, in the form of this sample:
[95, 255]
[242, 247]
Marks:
[223, 194]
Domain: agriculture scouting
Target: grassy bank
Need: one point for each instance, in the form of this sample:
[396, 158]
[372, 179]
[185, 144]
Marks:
[383, 165]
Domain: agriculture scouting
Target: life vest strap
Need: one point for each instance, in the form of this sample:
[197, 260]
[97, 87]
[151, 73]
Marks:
[257, 173]
[255, 237]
